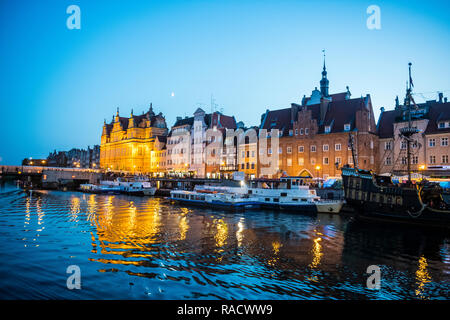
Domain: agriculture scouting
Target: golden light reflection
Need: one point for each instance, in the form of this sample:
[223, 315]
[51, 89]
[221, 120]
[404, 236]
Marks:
[27, 212]
[276, 245]
[91, 209]
[317, 253]
[222, 233]
[109, 209]
[422, 277]
[184, 227]
[132, 212]
[123, 228]
[239, 232]
[74, 208]
[40, 213]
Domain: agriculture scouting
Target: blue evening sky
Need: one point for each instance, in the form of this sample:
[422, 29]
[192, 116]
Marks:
[58, 85]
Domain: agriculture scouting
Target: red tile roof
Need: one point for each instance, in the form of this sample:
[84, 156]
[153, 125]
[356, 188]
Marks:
[339, 113]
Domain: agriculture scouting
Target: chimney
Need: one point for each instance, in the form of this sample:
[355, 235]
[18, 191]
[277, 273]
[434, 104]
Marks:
[294, 112]
[441, 95]
[445, 100]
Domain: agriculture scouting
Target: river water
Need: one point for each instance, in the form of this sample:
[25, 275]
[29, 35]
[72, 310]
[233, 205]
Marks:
[148, 248]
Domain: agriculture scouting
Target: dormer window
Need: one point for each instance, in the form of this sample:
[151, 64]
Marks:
[347, 127]
[441, 125]
[327, 129]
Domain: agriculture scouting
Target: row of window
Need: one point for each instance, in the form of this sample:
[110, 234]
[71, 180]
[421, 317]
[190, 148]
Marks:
[415, 160]
[431, 143]
[247, 165]
[248, 154]
[313, 148]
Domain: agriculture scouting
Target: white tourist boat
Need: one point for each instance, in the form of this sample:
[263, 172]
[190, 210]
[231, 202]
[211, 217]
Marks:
[222, 198]
[100, 189]
[136, 187]
[287, 193]
[291, 193]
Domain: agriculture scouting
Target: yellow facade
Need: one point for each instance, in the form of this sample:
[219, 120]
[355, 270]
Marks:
[133, 144]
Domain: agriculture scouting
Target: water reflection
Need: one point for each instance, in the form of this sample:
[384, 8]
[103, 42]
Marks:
[422, 277]
[174, 252]
[317, 253]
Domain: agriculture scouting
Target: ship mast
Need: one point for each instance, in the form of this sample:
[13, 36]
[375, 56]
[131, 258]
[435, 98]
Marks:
[408, 131]
[351, 143]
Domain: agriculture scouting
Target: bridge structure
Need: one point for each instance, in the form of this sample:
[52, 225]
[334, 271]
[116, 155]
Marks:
[71, 178]
[48, 177]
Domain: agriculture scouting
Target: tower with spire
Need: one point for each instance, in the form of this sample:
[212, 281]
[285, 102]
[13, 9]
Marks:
[324, 83]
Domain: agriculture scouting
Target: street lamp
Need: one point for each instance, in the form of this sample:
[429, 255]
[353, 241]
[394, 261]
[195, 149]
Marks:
[421, 168]
[318, 169]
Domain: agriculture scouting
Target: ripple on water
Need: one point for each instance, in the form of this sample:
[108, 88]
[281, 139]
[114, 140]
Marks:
[148, 248]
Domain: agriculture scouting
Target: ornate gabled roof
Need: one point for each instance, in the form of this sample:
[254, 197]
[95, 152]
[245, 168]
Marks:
[124, 121]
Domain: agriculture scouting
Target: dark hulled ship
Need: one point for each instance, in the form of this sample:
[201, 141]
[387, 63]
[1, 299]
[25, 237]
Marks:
[374, 196]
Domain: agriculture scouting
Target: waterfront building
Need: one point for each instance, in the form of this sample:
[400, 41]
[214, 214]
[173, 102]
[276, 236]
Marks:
[75, 158]
[194, 144]
[218, 150]
[313, 135]
[128, 144]
[248, 152]
[179, 147]
[429, 147]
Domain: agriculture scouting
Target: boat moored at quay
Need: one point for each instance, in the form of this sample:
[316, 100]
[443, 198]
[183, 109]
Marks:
[291, 193]
[378, 197]
[223, 199]
[134, 187]
[99, 189]
[287, 193]
[373, 196]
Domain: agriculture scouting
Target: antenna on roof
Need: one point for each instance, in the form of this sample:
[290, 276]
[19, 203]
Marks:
[213, 104]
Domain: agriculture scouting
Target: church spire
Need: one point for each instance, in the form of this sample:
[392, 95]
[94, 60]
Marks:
[324, 83]
[151, 112]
